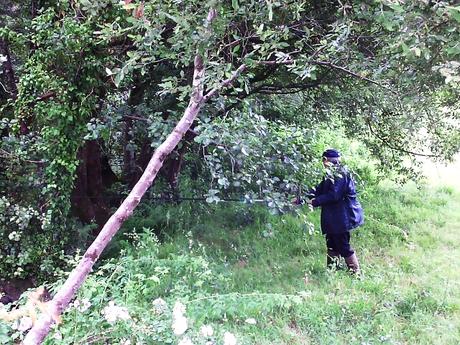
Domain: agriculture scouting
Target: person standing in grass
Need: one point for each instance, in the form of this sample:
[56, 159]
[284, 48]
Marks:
[341, 211]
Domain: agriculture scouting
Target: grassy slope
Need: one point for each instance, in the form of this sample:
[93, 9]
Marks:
[410, 293]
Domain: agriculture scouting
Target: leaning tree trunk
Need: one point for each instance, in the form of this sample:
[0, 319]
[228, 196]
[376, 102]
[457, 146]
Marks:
[76, 278]
[61, 300]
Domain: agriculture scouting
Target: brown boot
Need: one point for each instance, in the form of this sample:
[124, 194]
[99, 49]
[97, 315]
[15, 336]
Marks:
[353, 264]
[333, 259]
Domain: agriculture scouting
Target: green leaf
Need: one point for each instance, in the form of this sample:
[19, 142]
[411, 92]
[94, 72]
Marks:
[119, 78]
[235, 5]
[397, 8]
[453, 51]
[455, 13]
[4, 338]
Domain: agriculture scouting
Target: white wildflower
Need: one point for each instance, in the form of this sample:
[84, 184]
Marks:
[15, 236]
[179, 324]
[113, 312]
[57, 335]
[82, 305]
[206, 331]
[185, 341]
[159, 306]
[179, 309]
[251, 321]
[25, 324]
[229, 339]
[125, 342]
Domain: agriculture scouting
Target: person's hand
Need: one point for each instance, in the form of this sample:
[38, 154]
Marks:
[310, 201]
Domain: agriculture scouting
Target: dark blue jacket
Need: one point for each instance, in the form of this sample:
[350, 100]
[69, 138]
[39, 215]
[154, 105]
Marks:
[340, 208]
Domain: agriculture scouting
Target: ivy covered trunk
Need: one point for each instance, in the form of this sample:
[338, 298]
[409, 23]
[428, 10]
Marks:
[93, 176]
[175, 163]
[8, 69]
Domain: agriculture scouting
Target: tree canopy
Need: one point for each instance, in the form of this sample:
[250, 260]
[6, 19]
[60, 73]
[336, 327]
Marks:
[220, 99]
[90, 88]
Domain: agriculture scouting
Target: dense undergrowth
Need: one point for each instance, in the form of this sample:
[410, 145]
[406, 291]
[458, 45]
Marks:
[263, 278]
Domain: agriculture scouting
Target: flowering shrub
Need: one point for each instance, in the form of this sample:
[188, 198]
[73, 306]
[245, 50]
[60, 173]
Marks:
[29, 247]
[16, 249]
[141, 298]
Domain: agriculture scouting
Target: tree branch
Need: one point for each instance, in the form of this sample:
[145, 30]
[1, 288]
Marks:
[225, 83]
[331, 65]
[347, 71]
[387, 144]
[286, 89]
[9, 155]
[138, 118]
[8, 69]
[76, 278]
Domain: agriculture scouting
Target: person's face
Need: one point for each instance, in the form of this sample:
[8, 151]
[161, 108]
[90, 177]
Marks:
[326, 163]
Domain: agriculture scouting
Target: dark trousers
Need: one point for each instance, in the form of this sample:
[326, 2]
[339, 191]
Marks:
[340, 243]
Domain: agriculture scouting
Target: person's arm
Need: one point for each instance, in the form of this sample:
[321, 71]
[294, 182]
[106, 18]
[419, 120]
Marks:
[312, 193]
[316, 191]
[331, 192]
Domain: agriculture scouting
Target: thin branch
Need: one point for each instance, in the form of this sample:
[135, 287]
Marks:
[331, 65]
[386, 143]
[290, 88]
[237, 41]
[132, 117]
[276, 62]
[225, 83]
[45, 96]
[9, 155]
[347, 71]
[260, 89]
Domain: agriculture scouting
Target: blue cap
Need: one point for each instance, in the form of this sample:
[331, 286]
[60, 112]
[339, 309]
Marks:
[331, 153]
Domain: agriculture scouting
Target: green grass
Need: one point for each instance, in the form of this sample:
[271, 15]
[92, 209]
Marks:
[231, 263]
[410, 292]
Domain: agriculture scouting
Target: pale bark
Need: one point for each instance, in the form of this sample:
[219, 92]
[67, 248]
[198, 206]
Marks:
[76, 278]
[61, 300]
